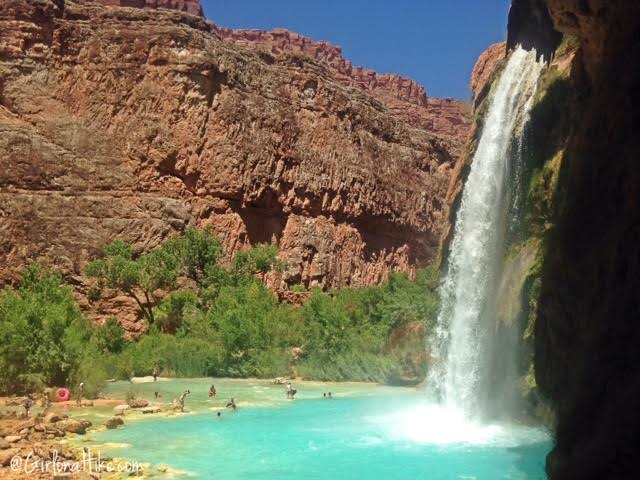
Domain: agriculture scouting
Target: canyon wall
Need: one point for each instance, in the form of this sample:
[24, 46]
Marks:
[403, 97]
[584, 194]
[133, 123]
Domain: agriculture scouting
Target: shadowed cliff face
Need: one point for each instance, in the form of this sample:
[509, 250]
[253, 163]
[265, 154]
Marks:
[134, 123]
[587, 334]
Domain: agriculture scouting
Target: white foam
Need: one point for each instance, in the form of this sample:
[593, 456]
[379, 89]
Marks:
[435, 424]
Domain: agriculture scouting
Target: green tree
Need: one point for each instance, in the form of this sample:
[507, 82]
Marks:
[43, 334]
[326, 324]
[172, 309]
[244, 316]
[110, 336]
[139, 278]
[258, 259]
[198, 250]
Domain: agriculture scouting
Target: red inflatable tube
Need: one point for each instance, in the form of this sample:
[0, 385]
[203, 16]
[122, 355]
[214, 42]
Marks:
[63, 394]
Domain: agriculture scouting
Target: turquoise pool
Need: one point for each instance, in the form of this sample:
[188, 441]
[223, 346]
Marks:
[364, 432]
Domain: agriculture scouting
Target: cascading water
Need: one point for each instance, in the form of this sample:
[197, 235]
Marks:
[463, 346]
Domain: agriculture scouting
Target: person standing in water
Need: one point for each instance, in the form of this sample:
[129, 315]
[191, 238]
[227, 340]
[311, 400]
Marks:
[182, 398]
[212, 391]
[291, 392]
[232, 404]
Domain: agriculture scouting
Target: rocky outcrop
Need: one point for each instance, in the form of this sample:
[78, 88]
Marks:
[113, 423]
[124, 123]
[531, 26]
[189, 6]
[586, 333]
[403, 97]
[484, 71]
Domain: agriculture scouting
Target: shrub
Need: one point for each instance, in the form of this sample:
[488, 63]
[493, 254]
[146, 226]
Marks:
[43, 334]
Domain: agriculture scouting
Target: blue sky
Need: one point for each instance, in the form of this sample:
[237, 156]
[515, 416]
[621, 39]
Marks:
[435, 42]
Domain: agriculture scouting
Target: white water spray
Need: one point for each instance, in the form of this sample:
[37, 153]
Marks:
[463, 337]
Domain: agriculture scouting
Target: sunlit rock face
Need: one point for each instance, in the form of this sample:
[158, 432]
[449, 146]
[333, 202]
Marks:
[403, 97]
[189, 6]
[485, 69]
[133, 123]
[587, 333]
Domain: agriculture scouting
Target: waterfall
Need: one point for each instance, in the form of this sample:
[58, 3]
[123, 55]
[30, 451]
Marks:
[463, 345]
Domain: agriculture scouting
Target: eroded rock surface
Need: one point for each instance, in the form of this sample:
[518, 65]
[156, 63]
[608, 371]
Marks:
[587, 333]
[403, 96]
[133, 123]
[485, 69]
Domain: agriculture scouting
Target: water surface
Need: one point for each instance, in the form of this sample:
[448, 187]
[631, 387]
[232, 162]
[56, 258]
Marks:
[364, 432]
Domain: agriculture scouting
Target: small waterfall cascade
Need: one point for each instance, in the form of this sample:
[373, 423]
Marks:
[462, 346]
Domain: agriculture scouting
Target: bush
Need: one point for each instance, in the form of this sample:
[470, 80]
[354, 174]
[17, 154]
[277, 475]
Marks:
[110, 337]
[43, 335]
[230, 325]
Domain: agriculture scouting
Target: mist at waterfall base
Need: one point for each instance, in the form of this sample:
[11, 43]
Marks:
[461, 430]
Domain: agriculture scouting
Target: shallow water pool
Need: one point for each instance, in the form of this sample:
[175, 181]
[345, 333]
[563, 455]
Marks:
[364, 432]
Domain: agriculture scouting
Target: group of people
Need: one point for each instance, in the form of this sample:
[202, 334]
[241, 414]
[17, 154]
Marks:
[179, 403]
[326, 395]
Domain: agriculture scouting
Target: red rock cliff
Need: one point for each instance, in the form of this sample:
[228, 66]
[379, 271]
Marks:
[134, 123]
[189, 6]
[485, 69]
[403, 97]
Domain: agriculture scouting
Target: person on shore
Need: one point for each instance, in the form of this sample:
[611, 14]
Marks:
[46, 399]
[155, 374]
[232, 404]
[182, 398]
[212, 391]
[80, 392]
[27, 404]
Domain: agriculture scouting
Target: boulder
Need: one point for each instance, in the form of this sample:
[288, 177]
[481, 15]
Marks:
[71, 425]
[53, 417]
[120, 409]
[6, 456]
[113, 422]
[152, 409]
[138, 403]
[12, 438]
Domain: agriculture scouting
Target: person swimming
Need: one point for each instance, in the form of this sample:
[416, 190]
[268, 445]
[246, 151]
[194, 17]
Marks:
[232, 404]
[212, 391]
[219, 415]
